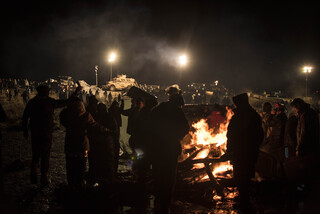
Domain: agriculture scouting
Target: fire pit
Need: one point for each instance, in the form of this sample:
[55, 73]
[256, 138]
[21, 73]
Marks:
[202, 148]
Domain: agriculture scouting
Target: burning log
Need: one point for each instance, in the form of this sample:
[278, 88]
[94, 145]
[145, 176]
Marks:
[214, 181]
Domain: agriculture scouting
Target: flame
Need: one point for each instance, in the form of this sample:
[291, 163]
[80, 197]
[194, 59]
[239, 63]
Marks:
[205, 139]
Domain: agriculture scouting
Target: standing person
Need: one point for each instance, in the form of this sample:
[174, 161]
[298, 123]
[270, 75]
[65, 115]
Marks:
[307, 129]
[132, 114]
[245, 135]
[266, 118]
[101, 154]
[307, 148]
[77, 123]
[169, 126]
[133, 141]
[25, 96]
[40, 111]
[115, 112]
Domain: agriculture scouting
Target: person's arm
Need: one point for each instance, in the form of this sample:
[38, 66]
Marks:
[63, 103]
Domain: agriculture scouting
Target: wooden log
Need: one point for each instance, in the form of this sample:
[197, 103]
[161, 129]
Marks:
[213, 180]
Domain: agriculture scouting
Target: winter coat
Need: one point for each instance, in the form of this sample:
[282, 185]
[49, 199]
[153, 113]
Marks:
[77, 126]
[169, 126]
[308, 132]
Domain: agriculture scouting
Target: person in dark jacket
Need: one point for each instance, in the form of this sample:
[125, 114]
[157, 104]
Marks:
[245, 135]
[169, 126]
[115, 112]
[101, 154]
[307, 128]
[40, 111]
[78, 123]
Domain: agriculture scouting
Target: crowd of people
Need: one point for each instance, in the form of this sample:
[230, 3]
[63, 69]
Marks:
[93, 133]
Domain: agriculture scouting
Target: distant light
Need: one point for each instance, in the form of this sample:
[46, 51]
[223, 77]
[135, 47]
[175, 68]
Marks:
[307, 69]
[112, 57]
[183, 60]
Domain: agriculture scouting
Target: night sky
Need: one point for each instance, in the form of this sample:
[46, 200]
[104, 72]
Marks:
[262, 44]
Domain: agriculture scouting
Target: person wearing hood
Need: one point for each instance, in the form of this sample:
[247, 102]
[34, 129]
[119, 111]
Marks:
[245, 135]
[307, 128]
[168, 127]
[78, 123]
[40, 111]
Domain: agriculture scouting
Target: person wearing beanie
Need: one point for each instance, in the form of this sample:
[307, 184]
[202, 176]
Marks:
[245, 135]
[168, 127]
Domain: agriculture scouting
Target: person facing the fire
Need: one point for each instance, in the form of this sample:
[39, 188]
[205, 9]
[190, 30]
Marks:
[169, 126]
[40, 111]
[245, 134]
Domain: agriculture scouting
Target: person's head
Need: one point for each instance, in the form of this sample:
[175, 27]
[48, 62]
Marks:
[298, 105]
[172, 90]
[241, 100]
[93, 100]
[267, 107]
[114, 104]
[177, 99]
[43, 90]
[279, 108]
[76, 107]
[101, 108]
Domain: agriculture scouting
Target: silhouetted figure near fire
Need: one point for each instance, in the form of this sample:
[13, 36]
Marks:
[101, 154]
[307, 138]
[115, 112]
[169, 126]
[78, 123]
[132, 114]
[245, 135]
[40, 111]
[308, 128]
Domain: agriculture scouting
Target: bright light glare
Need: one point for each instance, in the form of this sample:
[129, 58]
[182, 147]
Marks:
[183, 60]
[112, 57]
[307, 69]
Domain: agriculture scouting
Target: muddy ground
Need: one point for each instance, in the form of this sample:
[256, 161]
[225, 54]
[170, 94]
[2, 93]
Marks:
[22, 197]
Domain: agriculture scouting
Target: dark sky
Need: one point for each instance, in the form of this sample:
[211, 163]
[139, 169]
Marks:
[262, 44]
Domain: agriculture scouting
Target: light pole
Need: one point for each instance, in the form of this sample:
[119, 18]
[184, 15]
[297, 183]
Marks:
[111, 59]
[182, 62]
[307, 70]
[96, 70]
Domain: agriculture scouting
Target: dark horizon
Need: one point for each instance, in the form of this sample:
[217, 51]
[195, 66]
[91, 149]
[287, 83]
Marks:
[260, 45]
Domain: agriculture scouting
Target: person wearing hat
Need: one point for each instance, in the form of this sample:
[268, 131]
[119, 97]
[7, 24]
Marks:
[307, 129]
[168, 127]
[245, 135]
[40, 111]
